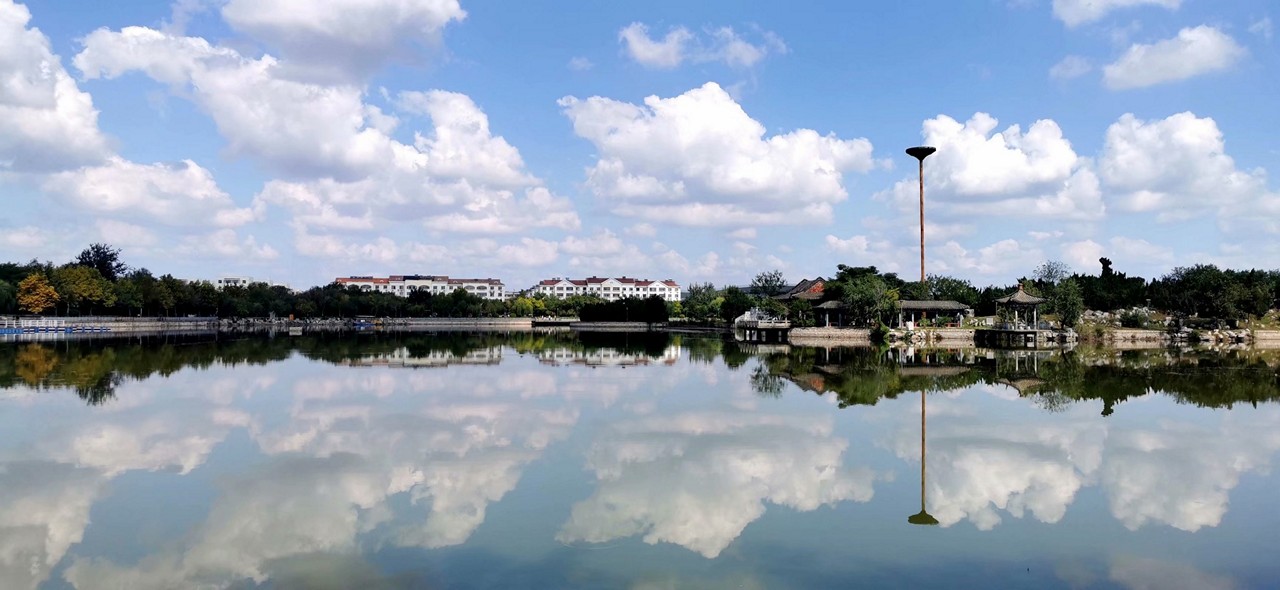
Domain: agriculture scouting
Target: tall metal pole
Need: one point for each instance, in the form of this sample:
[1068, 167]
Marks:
[920, 153]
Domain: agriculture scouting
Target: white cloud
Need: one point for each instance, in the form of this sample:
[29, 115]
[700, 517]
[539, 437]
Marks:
[175, 194]
[24, 238]
[46, 122]
[1195, 51]
[1077, 12]
[644, 230]
[297, 128]
[225, 243]
[1263, 28]
[745, 233]
[721, 44]
[1082, 254]
[699, 159]
[580, 64]
[1176, 167]
[698, 479]
[343, 40]
[1125, 251]
[665, 53]
[603, 243]
[1071, 66]
[980, 171]
[456, 177]
[530, 252]
[124, 235]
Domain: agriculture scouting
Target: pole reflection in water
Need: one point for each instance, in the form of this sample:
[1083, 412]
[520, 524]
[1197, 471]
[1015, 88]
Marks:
[922, 517]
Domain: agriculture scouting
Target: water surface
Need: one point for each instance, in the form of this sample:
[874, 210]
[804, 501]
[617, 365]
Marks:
[553, 461]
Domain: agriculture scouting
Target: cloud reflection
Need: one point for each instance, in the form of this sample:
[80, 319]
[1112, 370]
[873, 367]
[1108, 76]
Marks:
[697, 479]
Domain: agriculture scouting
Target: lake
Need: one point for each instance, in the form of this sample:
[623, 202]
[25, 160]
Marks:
[553, 460]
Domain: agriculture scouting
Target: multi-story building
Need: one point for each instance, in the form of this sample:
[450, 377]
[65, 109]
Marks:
[610, 289]
[403, 285]
[225, 282]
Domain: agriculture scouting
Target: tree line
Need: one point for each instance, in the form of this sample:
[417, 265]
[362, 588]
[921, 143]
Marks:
[98, 282]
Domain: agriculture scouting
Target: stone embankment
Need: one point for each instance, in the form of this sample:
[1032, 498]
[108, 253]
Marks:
[1137, 338]
[948, 337]
[829, 336]
[616, 327]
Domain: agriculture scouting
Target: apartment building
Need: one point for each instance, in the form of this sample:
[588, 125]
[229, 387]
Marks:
[610, 289]
[403, 285]
[225, 282]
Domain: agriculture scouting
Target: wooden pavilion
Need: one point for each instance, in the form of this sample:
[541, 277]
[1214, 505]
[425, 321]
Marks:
[1026, 303]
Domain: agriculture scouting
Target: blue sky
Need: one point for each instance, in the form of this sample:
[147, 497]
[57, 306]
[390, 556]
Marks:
[297, 141]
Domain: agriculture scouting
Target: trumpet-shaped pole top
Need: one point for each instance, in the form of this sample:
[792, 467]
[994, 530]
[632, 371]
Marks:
[921, 152]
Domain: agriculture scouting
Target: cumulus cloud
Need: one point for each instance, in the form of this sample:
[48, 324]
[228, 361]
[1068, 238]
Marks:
[680, 45]
[698, 479]
[226, 243]
[182, 193]
[1074, 13]
[980, 171]
[1195, 51]
[294, 127]
[456, 177]
[46, 122]
[1084, 254]
[1071, 66]
[346, 40]
[699, 159]
[1176, 167]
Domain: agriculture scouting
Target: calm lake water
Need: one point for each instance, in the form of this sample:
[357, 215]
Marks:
[387, 461]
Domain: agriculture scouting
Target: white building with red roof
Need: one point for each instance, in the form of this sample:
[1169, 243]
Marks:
[403, 285]
[609, 289]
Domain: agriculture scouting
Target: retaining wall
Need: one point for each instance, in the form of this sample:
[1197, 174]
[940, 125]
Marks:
[826, 336]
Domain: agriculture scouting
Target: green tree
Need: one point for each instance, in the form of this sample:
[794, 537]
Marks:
[699, 306]
[944, 288]
[82, 286]
[35, 294]
[104, 259]
[736, 302]
[8, 297]
[768, 283]
[128, 295]
[869, 299]
[1068, 302]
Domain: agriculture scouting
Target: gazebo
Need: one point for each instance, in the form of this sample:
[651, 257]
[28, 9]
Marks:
[1021, 301]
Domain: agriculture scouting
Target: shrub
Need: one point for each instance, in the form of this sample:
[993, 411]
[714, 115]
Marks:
[1133, 319]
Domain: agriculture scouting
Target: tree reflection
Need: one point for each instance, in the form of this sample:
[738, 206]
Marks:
[1054, 380]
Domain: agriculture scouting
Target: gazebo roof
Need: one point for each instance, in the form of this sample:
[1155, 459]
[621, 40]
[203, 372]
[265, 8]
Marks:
[830, 305]
[918, 305]
[1024, 384]
[1020, 297]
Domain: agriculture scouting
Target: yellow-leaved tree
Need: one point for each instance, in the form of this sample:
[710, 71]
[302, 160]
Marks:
[35, 294]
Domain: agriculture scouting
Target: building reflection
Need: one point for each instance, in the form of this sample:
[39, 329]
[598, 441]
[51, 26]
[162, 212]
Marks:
[404, 358]
[606, 357]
